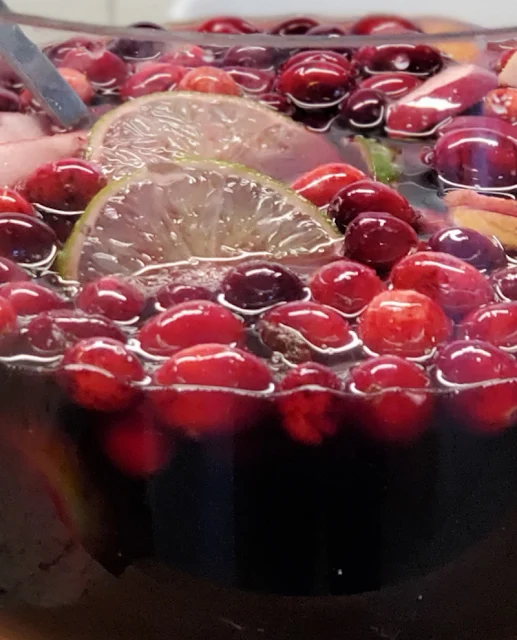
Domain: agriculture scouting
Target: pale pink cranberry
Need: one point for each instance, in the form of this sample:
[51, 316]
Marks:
[209, 80]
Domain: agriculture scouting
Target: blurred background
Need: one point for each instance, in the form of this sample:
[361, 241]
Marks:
[485, 13]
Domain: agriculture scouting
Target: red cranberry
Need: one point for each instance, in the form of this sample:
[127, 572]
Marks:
[345, 285]
[8, 323]
[321, 184]
[158, 76]
[294, 26]
[476, 158]
[308, 414]
[11, 272]
[475, 248]
[188, 324]
[58, 52]
[256, 285]
[392, 85]
[100, 374]
[29, 298]
[364, 109]
[393, 401]
[64, 185]
[378, 239]
[301, 329]
[420, 59]
[25, 239]
[253, 56]
[311, 84]
[316, 55]
[227, 24]
[382, 23]
[329, 30]
[135, 445]
[186, 56]
[130, 49]
[253, 81]
[404, 323]
[452, 283]
[278, 102]
[211, 365]
[11, 201]
[319, 120]
[504, 282]
[209, 80]
[171, 294]
[9, 100]
[488, 406]
[53, 331]
[496, 323]
[104, 69]
[112, 297]
[368, 195]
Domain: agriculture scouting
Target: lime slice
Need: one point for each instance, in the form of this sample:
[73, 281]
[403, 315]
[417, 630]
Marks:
[174, 212]
[167, 126]
[380, 159]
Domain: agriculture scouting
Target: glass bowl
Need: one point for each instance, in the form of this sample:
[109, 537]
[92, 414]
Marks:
[290, 401]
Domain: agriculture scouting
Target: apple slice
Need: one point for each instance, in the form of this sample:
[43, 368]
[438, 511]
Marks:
[489, 215]
[508, 74]
[446, 94]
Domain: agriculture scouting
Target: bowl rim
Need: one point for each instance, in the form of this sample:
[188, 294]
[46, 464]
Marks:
[182, 34]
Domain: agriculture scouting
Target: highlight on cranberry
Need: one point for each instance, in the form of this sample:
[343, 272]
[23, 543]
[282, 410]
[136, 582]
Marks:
[258, 324]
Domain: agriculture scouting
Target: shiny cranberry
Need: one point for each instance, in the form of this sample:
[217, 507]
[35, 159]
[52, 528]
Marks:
[11, 201]
[52, 332]
[496, 323]
[404, 323]
[25, 239]
[393, 400]
[321, 184]
[488, 408]
[186, 56]
[382, 23]
[477, 123]
[475, 248]
[209, 80]
[368, 195]
[319, 120]
[364, 109]
[255, 285]
[252, 81]
[346, 285]
[188, 324]
[452, 283]
[171, 294]
[308, 414]
[420, 60]
[311, 84]
[130, 49]
[134, 445]
[8, 323]
[378, 239]
[294, 26]
[158, 76]
[112, 297]
[278, 102]
[227, 24]
[9, 100]
[29, 298]
[211, 365]
[299, 330]
[317, 55]
[11, 272]
[249, 56]
[476, 158]
[100, 374]
[504, 282]
[65, 185]
[57, 52]
[392, 85]
[104, 69]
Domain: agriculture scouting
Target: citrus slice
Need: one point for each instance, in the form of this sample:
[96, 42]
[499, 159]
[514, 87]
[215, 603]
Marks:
[172, 212]
[166, 126]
